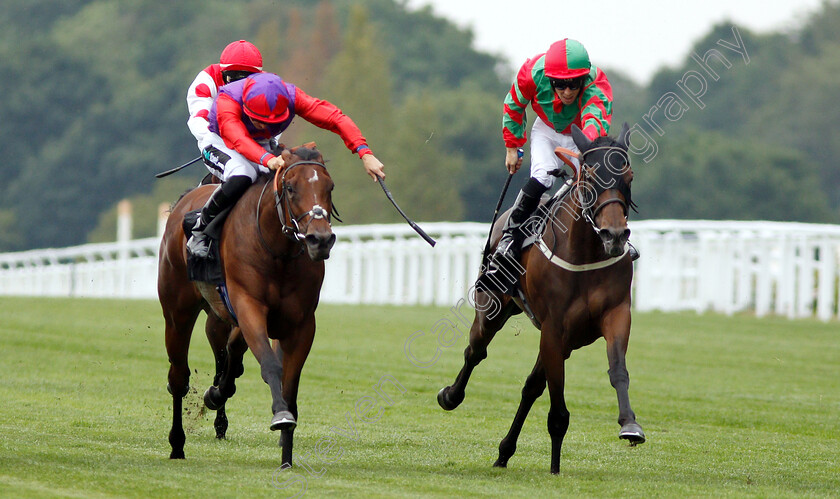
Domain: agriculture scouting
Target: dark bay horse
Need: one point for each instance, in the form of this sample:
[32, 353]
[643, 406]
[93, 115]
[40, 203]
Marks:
[576, 281]
[272, 249]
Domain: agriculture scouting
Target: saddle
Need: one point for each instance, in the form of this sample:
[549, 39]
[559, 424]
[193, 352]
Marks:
[548, 206]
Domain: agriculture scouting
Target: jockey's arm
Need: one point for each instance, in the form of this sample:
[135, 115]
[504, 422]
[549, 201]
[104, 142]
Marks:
[326, 115]
[234, 133]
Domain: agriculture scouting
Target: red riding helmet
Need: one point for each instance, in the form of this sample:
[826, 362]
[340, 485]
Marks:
[566, 59]
[241, 56]
[265, 98]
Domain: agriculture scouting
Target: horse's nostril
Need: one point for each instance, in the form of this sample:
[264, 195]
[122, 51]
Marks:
[320, 240]
[605, 234]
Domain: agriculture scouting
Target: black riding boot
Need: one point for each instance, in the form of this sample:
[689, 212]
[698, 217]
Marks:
[223, 197]
[503, 269]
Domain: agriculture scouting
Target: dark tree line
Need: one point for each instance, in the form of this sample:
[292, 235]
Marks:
[94, 107]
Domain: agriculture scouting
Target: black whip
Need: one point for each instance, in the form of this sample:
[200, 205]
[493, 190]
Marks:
[519, 153]
[413, 225]
[179, 168]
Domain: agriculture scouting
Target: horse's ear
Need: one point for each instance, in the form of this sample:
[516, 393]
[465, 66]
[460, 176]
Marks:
[286, 155]
[581, 140]
[624, 136]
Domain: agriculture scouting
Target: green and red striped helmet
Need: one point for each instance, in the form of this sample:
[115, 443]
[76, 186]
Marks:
[566, 59]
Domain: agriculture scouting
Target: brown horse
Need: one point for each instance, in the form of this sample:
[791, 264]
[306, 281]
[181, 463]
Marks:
[273, 289]
[576, 285]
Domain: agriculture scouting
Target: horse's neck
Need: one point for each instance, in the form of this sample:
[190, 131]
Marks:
[569, 234]
[270, 226]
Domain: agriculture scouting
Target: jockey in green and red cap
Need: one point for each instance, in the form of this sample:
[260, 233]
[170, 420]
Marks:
[243, 118]
[563, 89]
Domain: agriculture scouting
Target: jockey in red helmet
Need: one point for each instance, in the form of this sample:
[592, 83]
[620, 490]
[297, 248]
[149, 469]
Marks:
[563, 89]
[244, 117]
[238, 60]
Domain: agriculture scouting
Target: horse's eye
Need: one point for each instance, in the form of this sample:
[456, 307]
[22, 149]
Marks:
[290, 189]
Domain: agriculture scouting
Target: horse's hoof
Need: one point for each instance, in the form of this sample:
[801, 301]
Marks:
[213, 399]
[500, 463]
[633, 433]
[283, 420]
[446, 402]
[177, 454]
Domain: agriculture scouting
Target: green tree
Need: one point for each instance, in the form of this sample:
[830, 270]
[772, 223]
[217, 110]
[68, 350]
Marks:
[708, 175]
[11, 237]
[359, 83]
[803, 115]
[424, 173]
[144, 212]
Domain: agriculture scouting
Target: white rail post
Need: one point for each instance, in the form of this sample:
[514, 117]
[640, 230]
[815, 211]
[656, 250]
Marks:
[827, 279]
[124, 230]
[124, 221]
[163, 216]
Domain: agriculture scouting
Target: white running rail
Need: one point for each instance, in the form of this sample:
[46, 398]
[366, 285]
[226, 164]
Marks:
[788, 269]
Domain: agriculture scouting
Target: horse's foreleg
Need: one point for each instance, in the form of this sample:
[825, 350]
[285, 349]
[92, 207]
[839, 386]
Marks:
[254, 329]
[178, 332]
[533, 389]
[616, 328]
[555, 373]
[484, 328]
[293, 353]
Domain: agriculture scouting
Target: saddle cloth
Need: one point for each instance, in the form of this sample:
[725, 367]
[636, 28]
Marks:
[209, 269]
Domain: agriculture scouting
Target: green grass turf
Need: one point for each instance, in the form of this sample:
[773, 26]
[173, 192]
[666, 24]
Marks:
[732, 407]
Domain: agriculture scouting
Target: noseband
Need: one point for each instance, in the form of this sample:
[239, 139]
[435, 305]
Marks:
[292, 229]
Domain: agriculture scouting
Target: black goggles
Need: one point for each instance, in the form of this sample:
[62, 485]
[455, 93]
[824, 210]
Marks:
[570, 83]
[230, 76]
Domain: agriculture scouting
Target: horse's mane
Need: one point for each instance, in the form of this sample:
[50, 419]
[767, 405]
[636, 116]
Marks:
[172, 206]
[306, 153]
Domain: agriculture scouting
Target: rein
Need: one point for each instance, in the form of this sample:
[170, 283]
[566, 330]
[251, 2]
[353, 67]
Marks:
[292, 230]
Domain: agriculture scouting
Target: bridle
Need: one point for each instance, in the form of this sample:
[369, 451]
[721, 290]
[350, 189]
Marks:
[586, 180]
[291, 229]
[589, 212]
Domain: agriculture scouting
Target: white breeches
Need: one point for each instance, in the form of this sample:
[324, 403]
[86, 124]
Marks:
[543, 160]
[224, 162]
